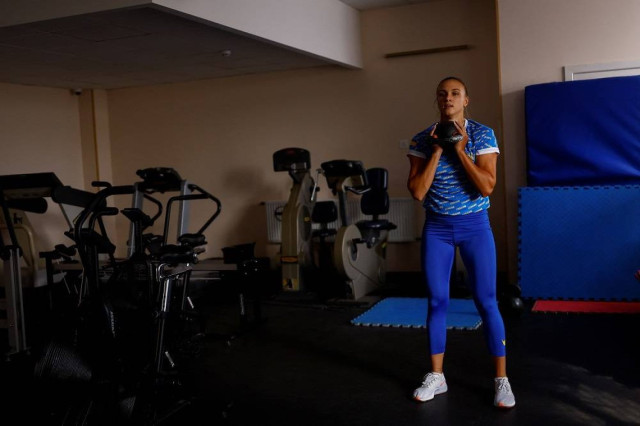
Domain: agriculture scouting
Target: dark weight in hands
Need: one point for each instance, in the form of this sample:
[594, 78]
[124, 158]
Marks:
[446, 134]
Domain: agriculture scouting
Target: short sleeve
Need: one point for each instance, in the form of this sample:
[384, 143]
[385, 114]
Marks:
[486, 142]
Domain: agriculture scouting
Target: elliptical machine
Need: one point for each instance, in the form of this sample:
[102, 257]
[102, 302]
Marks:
[359, 252]
[296, 216]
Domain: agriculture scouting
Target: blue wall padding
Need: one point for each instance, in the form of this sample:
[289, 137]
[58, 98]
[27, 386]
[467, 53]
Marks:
[583, 132]
[579, 242]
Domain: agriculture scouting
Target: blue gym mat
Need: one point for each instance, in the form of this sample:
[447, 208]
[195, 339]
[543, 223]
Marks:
[579, 242]
[412, 312]
[580, 135]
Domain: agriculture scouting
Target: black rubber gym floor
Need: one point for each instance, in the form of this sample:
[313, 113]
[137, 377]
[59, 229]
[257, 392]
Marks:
[305, 364]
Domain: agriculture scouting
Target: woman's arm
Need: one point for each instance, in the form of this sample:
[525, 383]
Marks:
[422, 173]
[483, 172]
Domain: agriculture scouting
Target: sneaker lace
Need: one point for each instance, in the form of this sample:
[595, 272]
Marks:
[429, 379]
[503, 386]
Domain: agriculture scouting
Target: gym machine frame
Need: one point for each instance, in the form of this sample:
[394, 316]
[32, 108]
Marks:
[160, 179]
[21, 192]
[356, 262]
[296, 216]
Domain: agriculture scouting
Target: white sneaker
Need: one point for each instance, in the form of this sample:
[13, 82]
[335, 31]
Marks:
[504, 396]
[432, 385]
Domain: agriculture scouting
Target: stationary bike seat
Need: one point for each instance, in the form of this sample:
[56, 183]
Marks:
[192, 240]
[174, 254]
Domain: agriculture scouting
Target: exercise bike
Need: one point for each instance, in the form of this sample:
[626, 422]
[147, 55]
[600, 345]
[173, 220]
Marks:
[132, 328]
[359, 251]
[296, 216]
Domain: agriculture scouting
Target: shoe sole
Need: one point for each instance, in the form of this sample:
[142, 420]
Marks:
[502, 406]
[438, 392]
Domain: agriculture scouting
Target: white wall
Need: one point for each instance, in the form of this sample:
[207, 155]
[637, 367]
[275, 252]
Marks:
[325, 28]
[537, 38]
[40, 132]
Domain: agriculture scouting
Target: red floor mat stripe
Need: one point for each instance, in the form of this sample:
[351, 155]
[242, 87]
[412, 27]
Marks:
[586, 307]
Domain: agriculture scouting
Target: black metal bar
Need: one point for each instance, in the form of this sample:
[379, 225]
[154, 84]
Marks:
[428, 51]
[8, 221]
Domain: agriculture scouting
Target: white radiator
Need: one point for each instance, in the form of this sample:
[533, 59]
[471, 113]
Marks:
[402, 212]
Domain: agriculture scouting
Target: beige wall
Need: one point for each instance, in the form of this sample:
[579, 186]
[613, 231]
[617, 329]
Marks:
[402, 89]
[222, 133]
[40, 132]
[538, 38]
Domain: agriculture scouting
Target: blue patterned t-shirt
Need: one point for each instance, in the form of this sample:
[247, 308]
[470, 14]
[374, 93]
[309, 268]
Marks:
[452, 193]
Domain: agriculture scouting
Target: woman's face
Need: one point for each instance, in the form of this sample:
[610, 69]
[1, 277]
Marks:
[452, 99]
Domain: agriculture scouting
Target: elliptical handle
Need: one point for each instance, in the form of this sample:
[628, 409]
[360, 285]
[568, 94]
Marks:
[203, 195]
[213, 217]
[97, 203]
[95, 210]
[158, 205]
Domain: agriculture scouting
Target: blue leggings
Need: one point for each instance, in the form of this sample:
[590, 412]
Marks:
[472, 234]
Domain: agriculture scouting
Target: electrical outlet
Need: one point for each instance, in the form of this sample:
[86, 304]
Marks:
[404, 144]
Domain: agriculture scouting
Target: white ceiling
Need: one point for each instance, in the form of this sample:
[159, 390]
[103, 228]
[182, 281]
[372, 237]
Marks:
[138, 47]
